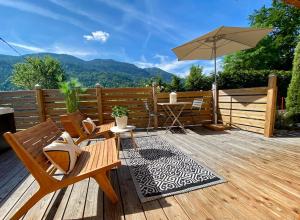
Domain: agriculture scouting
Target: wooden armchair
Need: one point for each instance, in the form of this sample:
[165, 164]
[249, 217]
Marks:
[102, 130]
[28, 145]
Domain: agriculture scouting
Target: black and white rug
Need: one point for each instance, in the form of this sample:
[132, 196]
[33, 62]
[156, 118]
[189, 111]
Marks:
[159, 169]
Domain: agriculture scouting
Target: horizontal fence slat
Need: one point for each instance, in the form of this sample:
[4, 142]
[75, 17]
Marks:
[244, 99]
[244, 91]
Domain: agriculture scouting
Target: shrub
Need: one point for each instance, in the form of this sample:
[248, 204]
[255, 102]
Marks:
[293, 98]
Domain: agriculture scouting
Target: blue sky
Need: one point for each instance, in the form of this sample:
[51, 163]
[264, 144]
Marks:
[142, 32]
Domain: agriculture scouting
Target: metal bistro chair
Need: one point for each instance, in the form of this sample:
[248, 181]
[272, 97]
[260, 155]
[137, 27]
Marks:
[197, 103]
[151, 114]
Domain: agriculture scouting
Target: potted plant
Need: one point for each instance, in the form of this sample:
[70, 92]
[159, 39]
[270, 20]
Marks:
[120, 113]
[71, 90]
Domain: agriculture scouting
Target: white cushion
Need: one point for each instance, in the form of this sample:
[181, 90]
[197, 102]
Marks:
[63, 153]
[88, 125]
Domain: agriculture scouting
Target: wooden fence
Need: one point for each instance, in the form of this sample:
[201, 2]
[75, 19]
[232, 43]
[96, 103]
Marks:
[32, 107]
[251, 109]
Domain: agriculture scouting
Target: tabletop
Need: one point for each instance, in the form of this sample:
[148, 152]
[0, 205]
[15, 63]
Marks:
[115, 129]
[176, 103]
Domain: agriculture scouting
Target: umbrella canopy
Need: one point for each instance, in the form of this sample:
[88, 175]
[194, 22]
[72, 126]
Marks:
[221, 41]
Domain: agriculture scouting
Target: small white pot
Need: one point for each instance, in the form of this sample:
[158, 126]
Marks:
[121, 121]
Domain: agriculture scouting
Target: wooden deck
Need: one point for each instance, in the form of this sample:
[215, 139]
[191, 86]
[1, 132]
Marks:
[263, 183]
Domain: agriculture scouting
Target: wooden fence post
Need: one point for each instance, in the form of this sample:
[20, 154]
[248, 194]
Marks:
[40, 102]
[271, 106]
[99, 102]
[154, 96]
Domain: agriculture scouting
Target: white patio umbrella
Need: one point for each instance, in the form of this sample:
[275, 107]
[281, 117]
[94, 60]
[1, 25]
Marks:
[219, 42]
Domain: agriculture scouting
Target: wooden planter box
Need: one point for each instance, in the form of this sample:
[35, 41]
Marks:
[68, 126]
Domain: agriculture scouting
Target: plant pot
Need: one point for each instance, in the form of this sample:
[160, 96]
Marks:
[68, 126]
[122, 121]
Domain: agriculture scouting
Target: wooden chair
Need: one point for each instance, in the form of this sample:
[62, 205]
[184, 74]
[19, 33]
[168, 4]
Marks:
[101, 130]
[95, 161]
[197, 103]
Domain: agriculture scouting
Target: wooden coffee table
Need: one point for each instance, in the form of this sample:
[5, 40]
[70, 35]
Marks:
[118, 131]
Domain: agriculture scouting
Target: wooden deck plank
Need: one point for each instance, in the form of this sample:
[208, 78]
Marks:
[131, 203]
[94, 202]
[227, 168]
[118, 213]
[263, 183]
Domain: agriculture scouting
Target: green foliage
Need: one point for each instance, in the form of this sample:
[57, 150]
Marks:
[293, 98]
[108, 73]
[47, 72]
[254, 78]
[175, 84]
[284, 120]
[119, 111]
[196, 80]
[71, 91]
[275, 51]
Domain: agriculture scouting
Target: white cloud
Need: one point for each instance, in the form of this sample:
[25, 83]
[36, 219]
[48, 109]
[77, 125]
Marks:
[28, 47]
[180, 68]
[97, 36]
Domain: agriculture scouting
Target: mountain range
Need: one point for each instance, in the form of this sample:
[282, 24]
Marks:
[107, 72]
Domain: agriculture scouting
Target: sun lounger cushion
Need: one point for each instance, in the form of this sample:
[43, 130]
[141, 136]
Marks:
[66, 138]
[63, 153]
[88, 125]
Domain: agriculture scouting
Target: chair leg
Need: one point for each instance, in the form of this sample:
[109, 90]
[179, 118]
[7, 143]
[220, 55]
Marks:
[105, 185]
[28, 205]
[149, 121]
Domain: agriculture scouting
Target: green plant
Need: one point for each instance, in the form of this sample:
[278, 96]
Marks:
[71, 90]
[46, 71]
[119, 111]
[293, 98]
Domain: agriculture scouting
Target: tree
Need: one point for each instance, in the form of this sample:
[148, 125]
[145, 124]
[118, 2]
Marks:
[47, 72]
[275, 51]
[293, 98]
[175, 84]
[196, 80]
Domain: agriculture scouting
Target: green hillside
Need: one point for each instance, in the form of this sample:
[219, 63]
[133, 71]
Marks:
[107, 72]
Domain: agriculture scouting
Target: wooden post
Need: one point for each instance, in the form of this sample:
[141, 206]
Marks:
[40, 102]
[154, 96]
[215, 103]
[271, 106]
[99, 102]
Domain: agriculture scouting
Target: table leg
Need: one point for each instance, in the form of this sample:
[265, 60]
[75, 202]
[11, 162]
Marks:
[133, 141]
[176, 118]
[118, 143]
[169, 116]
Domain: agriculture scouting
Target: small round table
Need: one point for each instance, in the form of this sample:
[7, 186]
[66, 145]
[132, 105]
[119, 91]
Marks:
[118, 131]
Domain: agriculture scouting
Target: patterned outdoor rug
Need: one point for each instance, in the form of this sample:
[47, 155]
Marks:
[159, 169]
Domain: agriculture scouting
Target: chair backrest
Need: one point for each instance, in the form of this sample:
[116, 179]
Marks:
[76, 119]
[28, 145]
[197, 103]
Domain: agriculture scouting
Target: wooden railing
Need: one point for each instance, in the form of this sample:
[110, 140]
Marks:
[251, 109]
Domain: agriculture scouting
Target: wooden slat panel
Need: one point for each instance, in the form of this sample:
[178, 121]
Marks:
[243, 114]
[244, 99]
[245, 91]
[243, 121]
[245, 107]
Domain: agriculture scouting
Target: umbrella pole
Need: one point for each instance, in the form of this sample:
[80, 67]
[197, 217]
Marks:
[215, 95]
